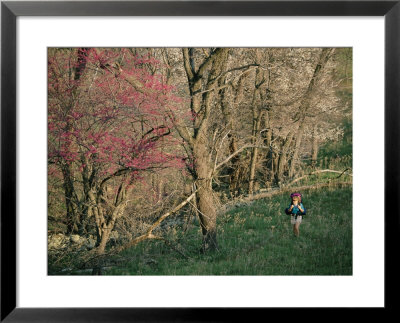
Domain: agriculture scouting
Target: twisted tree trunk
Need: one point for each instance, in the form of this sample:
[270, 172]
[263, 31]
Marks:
[201, 105]
[282, 161]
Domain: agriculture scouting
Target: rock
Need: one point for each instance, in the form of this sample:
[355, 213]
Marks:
[90, 243]
[114, 235]
[75, 238]
[56, 241]
[114, 238]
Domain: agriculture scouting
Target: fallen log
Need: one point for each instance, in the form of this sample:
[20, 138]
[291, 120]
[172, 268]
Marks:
[149, 234]
[320, 171]
[282, 190]
[96, 260]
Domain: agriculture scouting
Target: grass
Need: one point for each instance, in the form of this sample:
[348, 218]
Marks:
[257, 239]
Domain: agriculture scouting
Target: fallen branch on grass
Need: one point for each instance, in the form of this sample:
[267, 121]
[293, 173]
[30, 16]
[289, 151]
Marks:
[299, 188]
[97, 261]
[282, 190]
[321, 171]
[149, 234]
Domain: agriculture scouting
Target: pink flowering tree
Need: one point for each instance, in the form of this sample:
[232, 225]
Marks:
[107, 125]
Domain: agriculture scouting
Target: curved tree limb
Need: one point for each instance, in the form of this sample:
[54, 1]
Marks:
[149, 234]
[284, 190]
[320, 171]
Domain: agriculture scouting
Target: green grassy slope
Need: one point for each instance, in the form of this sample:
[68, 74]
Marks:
[257, 239]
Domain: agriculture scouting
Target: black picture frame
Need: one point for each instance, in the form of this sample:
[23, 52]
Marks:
[10, 10]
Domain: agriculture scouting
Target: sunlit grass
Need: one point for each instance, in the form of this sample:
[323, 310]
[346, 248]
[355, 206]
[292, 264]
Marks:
[257, 239]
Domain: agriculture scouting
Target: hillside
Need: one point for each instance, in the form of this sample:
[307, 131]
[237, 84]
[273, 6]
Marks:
[257, 239]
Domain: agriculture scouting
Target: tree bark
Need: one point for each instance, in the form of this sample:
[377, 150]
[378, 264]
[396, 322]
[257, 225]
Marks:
[208, 216]
[69, 190]
[108, 226]
[268, 165]
[257, 109]
[305, 105]
[257, 115]
[296, 152]
[73, 217]
[204, 196]
[282, 162]
[201, 107]
[234, 169]
[314, 151]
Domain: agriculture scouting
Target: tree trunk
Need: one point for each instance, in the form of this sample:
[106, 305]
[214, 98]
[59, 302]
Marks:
[252, 176]
[268, 164]
[104, 239]
[254, 150]
[73, 217]
[235, 169]
[69, 190]
[201, 105]
[296, 153]
[282, 163]
[305, 104]
[257, 116]
[204, 197]
[314, 152]
[107, 228]
[208, 217]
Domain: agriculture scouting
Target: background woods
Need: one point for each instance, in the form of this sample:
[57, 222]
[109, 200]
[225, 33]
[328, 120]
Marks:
[145, 141]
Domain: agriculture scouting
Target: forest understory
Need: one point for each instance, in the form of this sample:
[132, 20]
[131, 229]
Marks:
[180, 161]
